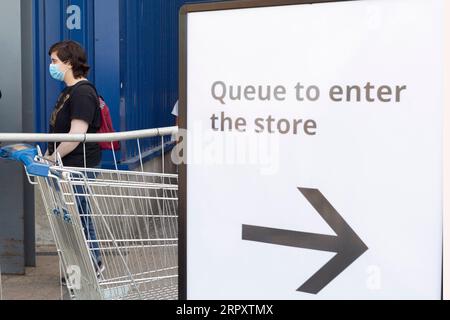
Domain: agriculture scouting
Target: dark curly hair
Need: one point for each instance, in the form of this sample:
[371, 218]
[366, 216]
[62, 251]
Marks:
[72, 52]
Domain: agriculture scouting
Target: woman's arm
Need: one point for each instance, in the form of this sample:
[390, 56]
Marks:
[76, 127]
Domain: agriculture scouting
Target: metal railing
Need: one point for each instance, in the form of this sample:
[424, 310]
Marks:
[88, 137]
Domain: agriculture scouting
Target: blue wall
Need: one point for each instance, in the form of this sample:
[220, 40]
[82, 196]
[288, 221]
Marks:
[149, 66]
[132, 46]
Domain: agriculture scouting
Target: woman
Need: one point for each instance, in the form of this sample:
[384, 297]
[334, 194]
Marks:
[77, 111]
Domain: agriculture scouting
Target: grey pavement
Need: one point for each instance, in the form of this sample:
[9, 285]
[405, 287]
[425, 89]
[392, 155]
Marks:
[40, 283]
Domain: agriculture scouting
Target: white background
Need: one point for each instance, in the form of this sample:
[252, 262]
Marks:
[379, 164]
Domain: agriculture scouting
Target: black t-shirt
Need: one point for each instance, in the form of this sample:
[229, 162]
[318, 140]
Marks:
[78, 102]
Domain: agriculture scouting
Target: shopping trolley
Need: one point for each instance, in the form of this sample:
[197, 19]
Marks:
[134, 219]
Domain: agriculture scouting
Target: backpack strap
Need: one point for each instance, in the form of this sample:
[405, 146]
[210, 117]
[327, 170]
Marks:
[84, 83]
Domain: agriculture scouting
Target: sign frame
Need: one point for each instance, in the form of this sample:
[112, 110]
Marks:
[248, 4]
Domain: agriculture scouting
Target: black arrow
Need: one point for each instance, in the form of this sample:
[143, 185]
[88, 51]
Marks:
[347, 245]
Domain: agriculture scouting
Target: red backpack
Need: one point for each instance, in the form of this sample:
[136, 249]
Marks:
[106, 126]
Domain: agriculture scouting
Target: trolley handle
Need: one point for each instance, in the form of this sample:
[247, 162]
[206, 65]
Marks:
[26, 154]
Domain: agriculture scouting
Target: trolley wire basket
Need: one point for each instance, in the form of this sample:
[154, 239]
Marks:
[116, 231]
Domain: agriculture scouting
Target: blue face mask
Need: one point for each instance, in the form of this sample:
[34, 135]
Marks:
[55, 73]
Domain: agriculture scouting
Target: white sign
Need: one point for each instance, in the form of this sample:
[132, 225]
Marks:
[315, 151]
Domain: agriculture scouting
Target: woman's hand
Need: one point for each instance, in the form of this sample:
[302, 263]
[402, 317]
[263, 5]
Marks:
[48, 157]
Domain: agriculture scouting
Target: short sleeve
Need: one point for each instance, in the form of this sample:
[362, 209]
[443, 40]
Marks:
[83, 106]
